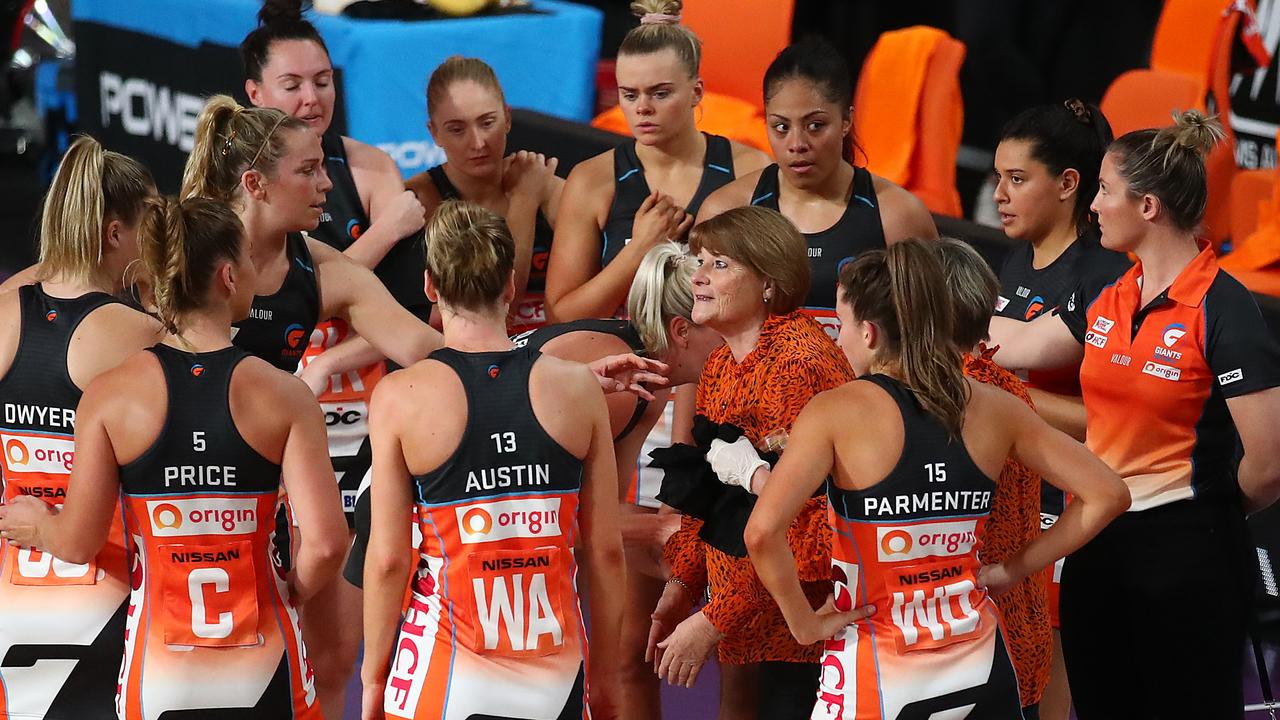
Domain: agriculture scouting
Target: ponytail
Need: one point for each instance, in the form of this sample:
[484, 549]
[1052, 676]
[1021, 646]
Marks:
[229, 140]
[903, 291]
[92, 185]
[182, 244]
[662, 289]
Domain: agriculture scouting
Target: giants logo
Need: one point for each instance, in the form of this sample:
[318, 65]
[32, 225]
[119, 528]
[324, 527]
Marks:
[354, 231]
[186, 517]
[38, 453]
[1034, 307]
[1173, 332]
[505, 519]
[939, 539]
[538, 264]
[293, 335]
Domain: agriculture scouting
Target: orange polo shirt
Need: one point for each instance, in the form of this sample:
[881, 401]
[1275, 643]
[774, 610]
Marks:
[1156, 379]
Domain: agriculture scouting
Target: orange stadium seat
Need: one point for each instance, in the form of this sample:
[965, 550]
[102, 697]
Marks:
[908, 113]
[1184, 42]
[1141, 99]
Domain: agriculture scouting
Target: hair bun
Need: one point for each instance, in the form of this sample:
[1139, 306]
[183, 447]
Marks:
[280, 12]
[657, 12]
[1194, 131]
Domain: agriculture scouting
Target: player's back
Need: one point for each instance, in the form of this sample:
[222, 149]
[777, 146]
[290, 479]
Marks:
[210, 625]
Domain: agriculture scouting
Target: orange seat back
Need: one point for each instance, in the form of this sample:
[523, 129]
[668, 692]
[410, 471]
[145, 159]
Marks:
[1140, 99]
[1185, 39]
[908, 114]
[739, 40]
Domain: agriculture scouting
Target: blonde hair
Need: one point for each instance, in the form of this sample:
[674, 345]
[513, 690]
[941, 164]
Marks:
[974, 288]
[457, 68]
[182, 243]
[662, 289]
[903, 291]
[1169, 163]
[660, 29]
[765, 241]
[470, 254]
[91, 185]
[231, 139]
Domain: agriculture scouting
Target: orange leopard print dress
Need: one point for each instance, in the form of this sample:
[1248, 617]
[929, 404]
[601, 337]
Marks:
[793, 361]
[1014, 522]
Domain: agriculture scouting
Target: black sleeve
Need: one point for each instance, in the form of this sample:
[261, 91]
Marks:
[1073, 312]
[1239, 347]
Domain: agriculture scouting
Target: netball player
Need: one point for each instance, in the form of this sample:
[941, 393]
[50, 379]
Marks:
[1046, 177]
[1178, 371]
[908, 503]
[470, 120]
[660, 307]
[505, 457]
[622, 202]
[62, 622]
[195, 435]
[842, 209]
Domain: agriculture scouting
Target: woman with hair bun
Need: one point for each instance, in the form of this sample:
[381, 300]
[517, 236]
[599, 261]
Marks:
[1177, 369]
[57, 334]
[910, 630]
[621, 203]
[191, 429]
[504, 455]
[841, 208]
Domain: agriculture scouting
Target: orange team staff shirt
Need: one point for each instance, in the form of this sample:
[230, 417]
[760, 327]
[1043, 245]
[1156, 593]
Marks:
[1156, 379]
[793, 361]
[1015, 522]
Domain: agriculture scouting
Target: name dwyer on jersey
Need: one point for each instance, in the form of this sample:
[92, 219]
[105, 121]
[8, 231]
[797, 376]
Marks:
[938, 501]
[41, 415]
[509, 476]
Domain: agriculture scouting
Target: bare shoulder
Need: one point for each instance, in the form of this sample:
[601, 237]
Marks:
[322, 253]
[136, 381]
[747, 159]
[25, 276]
[423, 187]
[902, 214]
[119, 318]
[574, 380]
[368, 158]
[592, 171]
[270, 390]
[735, 194]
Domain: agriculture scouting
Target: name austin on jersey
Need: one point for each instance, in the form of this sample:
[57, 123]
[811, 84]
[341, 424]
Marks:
[508, 476]
[938, 501]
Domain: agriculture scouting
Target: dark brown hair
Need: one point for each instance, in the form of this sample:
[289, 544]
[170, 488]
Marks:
[277, 20]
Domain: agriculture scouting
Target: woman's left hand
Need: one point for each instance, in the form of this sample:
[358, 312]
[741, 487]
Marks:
[687, 649]
[20, 519]
[628, 372]
[996, 579]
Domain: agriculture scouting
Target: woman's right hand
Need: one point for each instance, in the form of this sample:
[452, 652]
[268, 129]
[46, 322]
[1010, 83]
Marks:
[406, 214]
[828, 621]
[673, 607]
[529, 174]
[659, 219]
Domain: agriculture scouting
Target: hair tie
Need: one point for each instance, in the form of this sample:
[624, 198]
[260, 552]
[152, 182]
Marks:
[1079, 110]
[226, 146]
[659, 19]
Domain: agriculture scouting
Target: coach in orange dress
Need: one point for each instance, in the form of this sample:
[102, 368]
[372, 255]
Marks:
[753, 274]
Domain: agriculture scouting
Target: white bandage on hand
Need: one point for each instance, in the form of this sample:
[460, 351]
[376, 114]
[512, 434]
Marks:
[736, 462]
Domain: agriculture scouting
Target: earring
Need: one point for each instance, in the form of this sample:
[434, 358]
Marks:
[768, 296]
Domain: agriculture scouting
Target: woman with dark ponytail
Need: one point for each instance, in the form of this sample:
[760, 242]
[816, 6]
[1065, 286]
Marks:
[61, 326]
[910, 628]
[1046, 171]
[842, 209]
[194, 435]
[1178, 371]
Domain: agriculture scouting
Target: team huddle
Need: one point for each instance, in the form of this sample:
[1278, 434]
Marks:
[531, 446]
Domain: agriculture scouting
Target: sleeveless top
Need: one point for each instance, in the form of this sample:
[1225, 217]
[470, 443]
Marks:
[621, 329]
[210, 600]
[343, 220]
[909, 546]
[493, 625]
[529, 313]
[52, 610]
[857, 231]
[630, 190]
[279, 325]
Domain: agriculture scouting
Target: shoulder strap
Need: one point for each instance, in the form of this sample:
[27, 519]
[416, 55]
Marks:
[766, 192]
[444, 187]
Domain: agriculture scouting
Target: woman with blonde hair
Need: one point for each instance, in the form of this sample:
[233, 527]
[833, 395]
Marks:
[61, 326]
